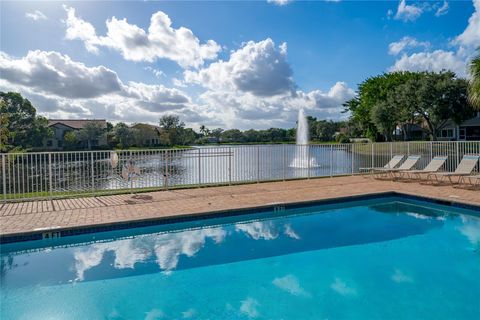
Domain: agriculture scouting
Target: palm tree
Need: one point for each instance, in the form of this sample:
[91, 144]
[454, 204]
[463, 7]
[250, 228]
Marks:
[474, 86]
[204, 130]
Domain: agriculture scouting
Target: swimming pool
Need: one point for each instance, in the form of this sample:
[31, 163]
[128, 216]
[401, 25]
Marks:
[386, 258]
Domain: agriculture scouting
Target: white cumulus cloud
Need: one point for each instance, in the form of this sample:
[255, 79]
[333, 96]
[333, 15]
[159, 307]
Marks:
[259, 68]
[437, 60]
[36, 15]
[61, 87]
[254, 88]
[279, 2]
[406, 42]
[407, 12]
[58, 74]
[455, 59]
[443, 10]
[160, 41]
[157, 73]
[471, 35]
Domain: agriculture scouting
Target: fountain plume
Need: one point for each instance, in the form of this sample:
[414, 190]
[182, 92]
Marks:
[302, 158]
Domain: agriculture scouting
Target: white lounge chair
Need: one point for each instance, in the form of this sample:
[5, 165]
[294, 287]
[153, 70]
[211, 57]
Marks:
[464, 168]
[408, 164]
[390, 165]
[436, 164]
[473, 181]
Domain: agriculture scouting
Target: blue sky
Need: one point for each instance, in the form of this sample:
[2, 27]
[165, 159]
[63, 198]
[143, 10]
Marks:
[249, 64]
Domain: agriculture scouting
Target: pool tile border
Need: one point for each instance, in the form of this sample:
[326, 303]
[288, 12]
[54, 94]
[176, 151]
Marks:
[75, 231]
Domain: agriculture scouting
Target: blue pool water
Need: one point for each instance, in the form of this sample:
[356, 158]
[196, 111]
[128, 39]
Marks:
[377, 259]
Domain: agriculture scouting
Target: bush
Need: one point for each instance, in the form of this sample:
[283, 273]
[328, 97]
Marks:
[342, 138]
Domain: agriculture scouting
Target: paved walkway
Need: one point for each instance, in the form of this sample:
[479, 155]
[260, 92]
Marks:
[38, 215]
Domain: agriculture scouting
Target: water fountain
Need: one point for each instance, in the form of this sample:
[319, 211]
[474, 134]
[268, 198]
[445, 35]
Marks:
[302, 157]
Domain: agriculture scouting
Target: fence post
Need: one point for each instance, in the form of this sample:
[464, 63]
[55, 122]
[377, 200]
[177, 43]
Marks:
[373, 159]
[408, 148]
[284, 160]
[165, 174]
[230, 155]
[50, 186]
[4, 177]
[353, 157]
[457, 152]
[199, 167]
[308, 161]
[93, 175]
[431, 150]
[331, 160]
[258, 164]
[391, 150]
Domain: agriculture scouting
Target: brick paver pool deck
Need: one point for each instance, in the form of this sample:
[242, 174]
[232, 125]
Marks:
[24, 217]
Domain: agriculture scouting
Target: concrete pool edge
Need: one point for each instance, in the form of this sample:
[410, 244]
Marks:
[62, 232]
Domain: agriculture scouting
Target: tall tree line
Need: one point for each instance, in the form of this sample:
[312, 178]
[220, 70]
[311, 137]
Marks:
[398, 100]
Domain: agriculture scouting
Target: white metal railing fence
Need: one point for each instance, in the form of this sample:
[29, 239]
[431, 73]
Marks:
[60, 174]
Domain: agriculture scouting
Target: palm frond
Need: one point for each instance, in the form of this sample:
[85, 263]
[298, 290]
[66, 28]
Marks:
[474, 85]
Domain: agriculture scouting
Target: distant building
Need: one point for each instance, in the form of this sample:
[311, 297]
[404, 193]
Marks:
[410, 132]
[468, 130]
[147, 135]
[60, 127]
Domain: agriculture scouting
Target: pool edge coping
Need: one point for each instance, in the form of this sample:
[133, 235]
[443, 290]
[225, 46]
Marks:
[33, 235]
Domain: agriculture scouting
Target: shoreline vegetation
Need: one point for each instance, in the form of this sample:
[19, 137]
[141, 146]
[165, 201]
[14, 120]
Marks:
[176, 147]
[361, 148]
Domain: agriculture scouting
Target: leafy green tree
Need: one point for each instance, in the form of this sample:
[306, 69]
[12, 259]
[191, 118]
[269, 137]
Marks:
[401, 98]
[290, 135]
[4, 132]
[312, 123]
[342, 138]
[232, 135]
[123, 135]
[144, 135]
[474, 85]
[204, 130]
[251, 135]
[40, 132]
[371, 92]
[171, 130]
[24, 128]
[384, 118]
[171, 122]
[70, 140]
[90, 132]
[140, 137]
[435, 98]
[188, 136]
[353, 129]
[109, 127]
[217, 133]
[276, 134]
[325, 130]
